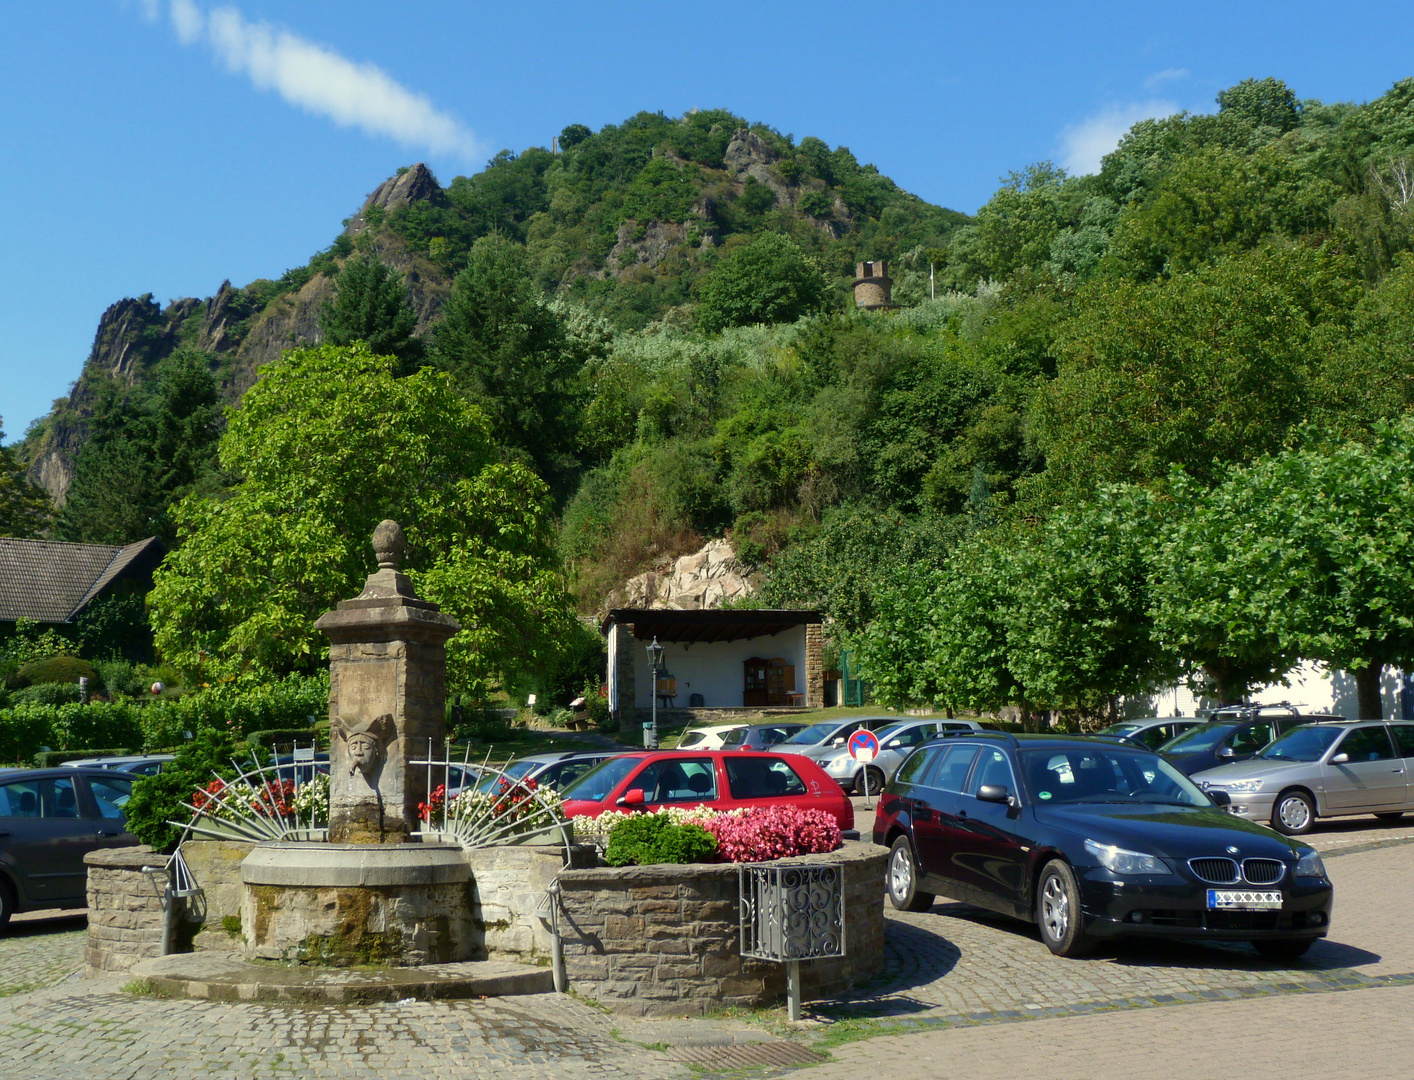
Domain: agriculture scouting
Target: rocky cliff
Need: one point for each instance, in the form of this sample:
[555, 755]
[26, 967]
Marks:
[243, 328]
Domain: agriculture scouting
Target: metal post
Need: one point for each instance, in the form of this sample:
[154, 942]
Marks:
[793, 989]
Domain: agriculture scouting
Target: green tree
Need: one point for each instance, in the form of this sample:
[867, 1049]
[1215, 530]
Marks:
[508, 349]
[1212, 546]
[1318, 549]
[1208, 368]
[24, 508]
[1078, 627]
[767, 280]
[1262, 102]
[147, 449]
[328, 443]
[371, 304]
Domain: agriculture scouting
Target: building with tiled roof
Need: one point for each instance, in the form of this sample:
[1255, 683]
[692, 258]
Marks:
[52, 582]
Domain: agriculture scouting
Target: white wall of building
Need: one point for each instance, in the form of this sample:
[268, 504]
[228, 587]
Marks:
[1311, 687]
[714, 668]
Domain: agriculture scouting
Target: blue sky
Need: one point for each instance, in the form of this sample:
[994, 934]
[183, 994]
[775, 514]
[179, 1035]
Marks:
[162, 147]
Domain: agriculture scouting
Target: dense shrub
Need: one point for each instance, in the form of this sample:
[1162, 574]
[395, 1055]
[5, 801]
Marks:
[61, 669]
[158, 800]
[27, 729]
[46, 693]
[773, 832]
[655, 838]
[271, 738]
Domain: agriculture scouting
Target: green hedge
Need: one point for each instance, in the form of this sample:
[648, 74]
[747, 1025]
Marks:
[233, 708]
[50, 759]
[275, 736]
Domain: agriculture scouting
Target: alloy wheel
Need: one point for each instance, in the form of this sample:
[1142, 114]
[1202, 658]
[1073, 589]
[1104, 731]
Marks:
[1055, 908]
[1294, 813]
[900, 873]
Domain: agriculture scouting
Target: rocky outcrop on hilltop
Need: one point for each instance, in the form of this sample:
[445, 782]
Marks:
[237, 324]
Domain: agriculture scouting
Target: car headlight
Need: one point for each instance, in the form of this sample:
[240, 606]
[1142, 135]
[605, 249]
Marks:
[1310, 865]
[1119, 861]
[1237, 787]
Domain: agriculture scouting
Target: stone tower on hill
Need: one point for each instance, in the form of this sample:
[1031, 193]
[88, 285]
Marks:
[873, 288]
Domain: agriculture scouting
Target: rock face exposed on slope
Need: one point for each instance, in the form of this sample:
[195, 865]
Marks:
[706, 579]
[135, 334]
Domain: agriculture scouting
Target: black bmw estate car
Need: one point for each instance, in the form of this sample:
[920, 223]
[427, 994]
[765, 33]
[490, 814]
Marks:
[1092, 840]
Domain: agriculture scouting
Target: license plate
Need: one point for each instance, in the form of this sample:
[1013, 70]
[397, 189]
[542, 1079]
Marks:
[1243, 900]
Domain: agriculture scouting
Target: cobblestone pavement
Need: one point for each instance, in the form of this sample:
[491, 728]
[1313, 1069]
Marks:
[95, 1031]
[956, 980]
[1363, 1034]
[39, 950]
[956, 962]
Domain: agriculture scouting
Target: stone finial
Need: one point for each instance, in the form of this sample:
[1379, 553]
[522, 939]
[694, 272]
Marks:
[388, 545]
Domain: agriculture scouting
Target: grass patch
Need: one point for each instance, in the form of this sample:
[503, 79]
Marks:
[144, 988]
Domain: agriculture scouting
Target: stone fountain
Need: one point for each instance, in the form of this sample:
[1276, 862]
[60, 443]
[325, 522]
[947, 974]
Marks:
[376, 892]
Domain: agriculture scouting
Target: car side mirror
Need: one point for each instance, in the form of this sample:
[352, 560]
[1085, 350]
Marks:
[1227, 752]
[632, 797]
[839, 741]
[1340, 759]
[1220, 798]
[992, 793]
[894, 744]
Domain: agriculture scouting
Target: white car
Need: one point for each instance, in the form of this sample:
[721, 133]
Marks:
[896, 742]
[706, 738]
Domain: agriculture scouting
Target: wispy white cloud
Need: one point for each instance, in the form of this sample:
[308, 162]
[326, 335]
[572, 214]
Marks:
[1085, 143]
[320, 81]
[1167, 75]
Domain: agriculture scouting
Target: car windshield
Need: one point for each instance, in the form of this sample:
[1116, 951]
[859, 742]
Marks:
[1203, 737]
[1118, 729]
[1306, 743]
[599, 782]
[1100, 775]
[816, 733]
[515, 770]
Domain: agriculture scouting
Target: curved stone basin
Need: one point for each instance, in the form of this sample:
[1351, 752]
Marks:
[341, 905]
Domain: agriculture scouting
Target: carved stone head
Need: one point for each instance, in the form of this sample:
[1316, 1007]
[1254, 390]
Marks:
[365, 740]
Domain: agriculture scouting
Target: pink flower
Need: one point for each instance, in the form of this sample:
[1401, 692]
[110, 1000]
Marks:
[774, 832]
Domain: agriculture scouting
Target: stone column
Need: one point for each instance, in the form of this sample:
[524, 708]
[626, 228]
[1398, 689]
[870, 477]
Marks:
[387, 700]
[814, 665]
[627, 684]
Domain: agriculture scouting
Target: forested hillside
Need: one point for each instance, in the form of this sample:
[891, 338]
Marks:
[981, 490]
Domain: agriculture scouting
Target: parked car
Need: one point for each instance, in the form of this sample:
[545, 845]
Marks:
[1150, 732]
[896, 742]
[705, 738]
[759, 736]
[554, 770]
[1092, 840]
[819, 741]
[1231, 735]
[137, 764]
[1322, 770]
[49, 820]
[719, 779]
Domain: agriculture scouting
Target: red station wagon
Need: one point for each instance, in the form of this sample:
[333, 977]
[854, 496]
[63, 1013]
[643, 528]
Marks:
[719, 779]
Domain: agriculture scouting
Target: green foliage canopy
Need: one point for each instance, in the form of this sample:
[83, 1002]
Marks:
[329, 443]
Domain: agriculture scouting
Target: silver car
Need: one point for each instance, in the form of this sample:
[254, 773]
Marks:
[1322, 770]
[896, 742]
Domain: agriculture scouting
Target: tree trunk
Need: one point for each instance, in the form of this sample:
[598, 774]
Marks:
[1231, 688]
[1367, 690]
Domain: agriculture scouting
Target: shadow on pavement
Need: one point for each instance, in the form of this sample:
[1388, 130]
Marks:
[58, 922]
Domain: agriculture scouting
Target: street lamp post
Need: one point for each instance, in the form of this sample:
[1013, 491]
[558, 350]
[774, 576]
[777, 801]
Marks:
[655, 661]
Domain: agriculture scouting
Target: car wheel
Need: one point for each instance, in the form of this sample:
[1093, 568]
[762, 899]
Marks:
[7, 902]
[904, 893]
[869, 781]
[1293, 813]
[1283, 951]
[1391, 815]
[1058, 912]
